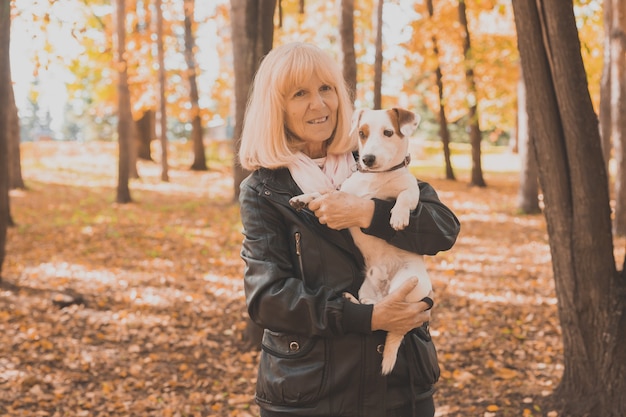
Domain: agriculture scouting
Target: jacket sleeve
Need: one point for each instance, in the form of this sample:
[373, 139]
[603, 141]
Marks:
[432, 228]
[276, 298]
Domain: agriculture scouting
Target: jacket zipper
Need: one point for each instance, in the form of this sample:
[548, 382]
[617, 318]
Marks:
[298, 238]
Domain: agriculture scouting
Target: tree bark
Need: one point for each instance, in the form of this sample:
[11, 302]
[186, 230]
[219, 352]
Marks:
[347, 46]
[444, 132]
[605, 84]
[253, 35]
[378, 58]
[145, 128]
[5, 65]
[124, 124]
[162, 103]
[199, 157]
[528, 193]
[574, 182]
[477, 178]
[252, 23]
[16, 181]
[618, 110]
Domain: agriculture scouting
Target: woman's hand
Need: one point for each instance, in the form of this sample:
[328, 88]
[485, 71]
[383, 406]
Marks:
[340, 210]
[395, 313]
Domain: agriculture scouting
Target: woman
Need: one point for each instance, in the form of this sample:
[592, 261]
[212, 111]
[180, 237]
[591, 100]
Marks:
[321, 354]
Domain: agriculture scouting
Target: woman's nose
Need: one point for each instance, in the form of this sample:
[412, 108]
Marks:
[317, 101]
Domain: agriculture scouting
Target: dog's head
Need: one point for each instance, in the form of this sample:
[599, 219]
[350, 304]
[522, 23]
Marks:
[383, 136]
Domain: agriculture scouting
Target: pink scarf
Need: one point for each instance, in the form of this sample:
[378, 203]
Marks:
[310, 177]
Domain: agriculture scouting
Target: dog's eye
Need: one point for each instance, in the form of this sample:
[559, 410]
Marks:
[388, 133]
[361, 134]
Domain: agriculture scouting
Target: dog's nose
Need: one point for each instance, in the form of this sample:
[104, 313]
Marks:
[368, 160]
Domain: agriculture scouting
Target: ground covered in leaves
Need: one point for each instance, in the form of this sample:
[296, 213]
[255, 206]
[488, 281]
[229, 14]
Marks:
[137, 309]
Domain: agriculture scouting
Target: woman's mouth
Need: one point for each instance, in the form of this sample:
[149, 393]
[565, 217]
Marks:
[318, 121]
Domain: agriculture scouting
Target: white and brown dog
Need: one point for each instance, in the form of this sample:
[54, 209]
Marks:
[383, 173]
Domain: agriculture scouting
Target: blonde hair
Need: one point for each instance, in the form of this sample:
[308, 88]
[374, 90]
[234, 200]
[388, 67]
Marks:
[264, 141]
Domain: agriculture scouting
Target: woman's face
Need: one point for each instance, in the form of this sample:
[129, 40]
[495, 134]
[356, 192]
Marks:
[311, 114]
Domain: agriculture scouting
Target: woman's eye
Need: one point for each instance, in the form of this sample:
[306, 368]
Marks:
[299, 93]
[388, 133]
[326, 88]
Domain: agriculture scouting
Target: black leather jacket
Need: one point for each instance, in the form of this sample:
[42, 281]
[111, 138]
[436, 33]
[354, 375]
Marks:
[319, 356]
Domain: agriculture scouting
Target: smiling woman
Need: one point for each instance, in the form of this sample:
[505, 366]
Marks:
[321, 353]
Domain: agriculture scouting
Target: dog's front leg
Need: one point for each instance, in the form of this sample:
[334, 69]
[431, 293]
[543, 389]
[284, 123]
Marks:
[350, 298]
[401, 212]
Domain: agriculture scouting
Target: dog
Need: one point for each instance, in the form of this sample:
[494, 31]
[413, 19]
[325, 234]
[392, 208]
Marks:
[382, 172]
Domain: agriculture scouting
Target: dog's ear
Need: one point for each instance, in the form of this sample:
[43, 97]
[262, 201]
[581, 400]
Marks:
[356, 118]
[407, 120]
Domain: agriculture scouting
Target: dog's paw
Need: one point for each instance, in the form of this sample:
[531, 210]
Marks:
[350, 298]
[399, 218]
[298, 203]
[301, 201]
[367, 301]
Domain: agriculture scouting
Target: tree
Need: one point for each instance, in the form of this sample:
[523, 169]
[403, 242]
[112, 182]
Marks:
[618, 110]
[162, 101]
[252, 23]
[16, 181]
[199, 157]
[378, 59]
[444, 132]
[472, 98]
[527, 196]
[124, 124]
[253, 36]
[605, 83]
[145, 127]
[589, 288]
[346, 29]
[5, 68]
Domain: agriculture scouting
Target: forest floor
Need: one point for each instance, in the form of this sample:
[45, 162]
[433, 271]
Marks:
[156, 314]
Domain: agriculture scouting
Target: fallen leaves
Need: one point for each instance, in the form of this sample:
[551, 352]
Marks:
[158, 329]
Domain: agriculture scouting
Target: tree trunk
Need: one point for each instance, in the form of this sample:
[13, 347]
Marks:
[527, 196]
[618, 110]
[5, 71]
[162, 103]
[347, 45]
[253, 36]
[16, 181]
[444, 132]
[589, 290]
[199, 157]
[124, 124]
[252, 23]
[605, 84]
[472, 114]
[145, 128]
[378, 59]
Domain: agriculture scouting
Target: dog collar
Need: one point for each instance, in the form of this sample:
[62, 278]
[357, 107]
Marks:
[406, 162]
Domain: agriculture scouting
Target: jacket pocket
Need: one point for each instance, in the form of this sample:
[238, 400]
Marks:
[425, 354]
[417, 365]
[291, 369]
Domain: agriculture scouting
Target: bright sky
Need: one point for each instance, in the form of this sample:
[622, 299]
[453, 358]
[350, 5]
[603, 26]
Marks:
[27, 40]
[28, 43]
